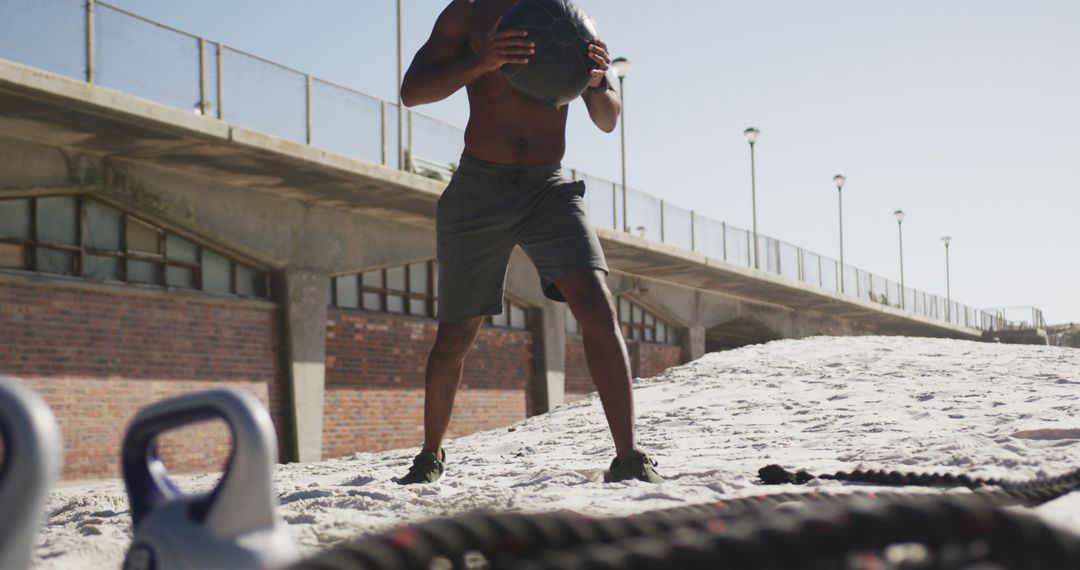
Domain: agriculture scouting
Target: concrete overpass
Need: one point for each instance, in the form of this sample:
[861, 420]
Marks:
[120, 129]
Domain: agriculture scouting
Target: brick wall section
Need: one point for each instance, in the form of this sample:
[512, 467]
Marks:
[655, 358]
[578, 381]
[97, 354]
[375, 381]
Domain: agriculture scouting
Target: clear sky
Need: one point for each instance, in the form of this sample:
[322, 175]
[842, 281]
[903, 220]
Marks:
[963, 113]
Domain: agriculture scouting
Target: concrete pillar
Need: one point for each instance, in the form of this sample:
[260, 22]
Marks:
[693, 343]
[307, 296]
[549, 357]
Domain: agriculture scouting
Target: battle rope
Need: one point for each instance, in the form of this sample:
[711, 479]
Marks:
[1034, 491]
[510, 539]
[956, 530]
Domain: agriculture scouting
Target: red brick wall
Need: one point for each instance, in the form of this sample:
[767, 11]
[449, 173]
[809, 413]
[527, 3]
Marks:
[375, 381]
[578, 381]
[656, 358]
[97, 354]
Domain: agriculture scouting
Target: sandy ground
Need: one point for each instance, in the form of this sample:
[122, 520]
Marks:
[823, 404]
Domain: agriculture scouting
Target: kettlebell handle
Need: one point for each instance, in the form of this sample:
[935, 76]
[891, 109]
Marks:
[32, 449]
[243, 500]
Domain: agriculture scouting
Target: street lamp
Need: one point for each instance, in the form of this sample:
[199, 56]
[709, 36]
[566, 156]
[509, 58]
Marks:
[948, 281]
[400, 78]
[752, 137]
[840, 180]
[900, 215]
[621, 65]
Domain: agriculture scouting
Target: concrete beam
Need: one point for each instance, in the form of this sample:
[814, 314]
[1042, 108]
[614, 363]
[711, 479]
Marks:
[36, 191]
[306, 297]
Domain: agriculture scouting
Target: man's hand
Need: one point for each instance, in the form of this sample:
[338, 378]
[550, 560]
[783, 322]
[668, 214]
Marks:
[598, 52]
[501, 48]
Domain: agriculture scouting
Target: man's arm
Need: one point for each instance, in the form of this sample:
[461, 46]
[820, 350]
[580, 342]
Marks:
[442, 65]
[604, 106]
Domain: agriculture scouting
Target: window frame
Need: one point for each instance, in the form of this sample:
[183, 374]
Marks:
[162, 261]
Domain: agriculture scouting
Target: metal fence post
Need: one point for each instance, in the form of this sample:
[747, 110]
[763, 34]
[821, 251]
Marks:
[307, 110]
[662, 222]
[89, 41]
[220, 82]
[693, 231]
[723, 239]
[203, 103]
[382, 134]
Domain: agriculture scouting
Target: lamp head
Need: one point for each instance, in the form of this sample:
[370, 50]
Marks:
[946, 240]
[840, 180]
[751, 135]
[900, 215]
[621, 65]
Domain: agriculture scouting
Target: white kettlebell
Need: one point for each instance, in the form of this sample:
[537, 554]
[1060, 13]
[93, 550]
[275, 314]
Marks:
[31, 463]
[233, 527]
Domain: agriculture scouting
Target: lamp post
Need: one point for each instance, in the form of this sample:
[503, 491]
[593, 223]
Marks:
[948, 281]
[752, 137]
[621, 65]
[400, 76]
[840, 180]
[900, 215]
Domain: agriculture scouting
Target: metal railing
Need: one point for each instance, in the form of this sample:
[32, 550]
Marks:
[114, 48]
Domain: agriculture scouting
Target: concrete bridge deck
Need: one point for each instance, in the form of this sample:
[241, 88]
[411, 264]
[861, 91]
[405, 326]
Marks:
[46, 108]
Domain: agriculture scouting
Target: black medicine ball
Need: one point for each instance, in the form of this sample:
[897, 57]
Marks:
[560, 70]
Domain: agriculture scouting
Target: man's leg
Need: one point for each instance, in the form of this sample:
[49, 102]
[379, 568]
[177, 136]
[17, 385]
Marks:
[443, 377]
[605, 352]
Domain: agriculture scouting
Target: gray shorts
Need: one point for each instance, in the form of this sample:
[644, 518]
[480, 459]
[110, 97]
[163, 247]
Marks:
[489, 208]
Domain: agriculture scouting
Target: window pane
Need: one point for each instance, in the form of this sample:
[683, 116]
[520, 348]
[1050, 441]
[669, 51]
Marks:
[661, 332]
[649, 335]
[499, 320]
[54, 261]
[180, 276]
[249, 282]
[142, 237]
[56, 220]
[649, 320]
[638, 316]
[571, 323]
[180, 249]
[418, 307]
[517, 317]
[348, 293]
[12, 255]
[395, 278]
[103, 226]
[395, 304]
[637, 333]
[15, 219]
[215, 273]
[624, 310]
[371, 302]
[373, 279]
[418, 278]
[102, 267]
[143, 271]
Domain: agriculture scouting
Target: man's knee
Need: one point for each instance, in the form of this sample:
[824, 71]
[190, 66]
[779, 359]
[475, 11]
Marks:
[591, 302]
[453, 340]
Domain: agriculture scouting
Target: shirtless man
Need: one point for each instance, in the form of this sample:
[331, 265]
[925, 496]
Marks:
[509, 190]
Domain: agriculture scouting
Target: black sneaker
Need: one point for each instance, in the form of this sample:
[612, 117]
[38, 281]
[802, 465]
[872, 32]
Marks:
[426, 468]
[637, 465]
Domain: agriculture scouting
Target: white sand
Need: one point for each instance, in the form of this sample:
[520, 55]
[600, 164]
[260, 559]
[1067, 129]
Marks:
[823, 404]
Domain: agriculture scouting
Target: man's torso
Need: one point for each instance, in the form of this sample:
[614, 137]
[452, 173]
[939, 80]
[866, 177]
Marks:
[504, 126]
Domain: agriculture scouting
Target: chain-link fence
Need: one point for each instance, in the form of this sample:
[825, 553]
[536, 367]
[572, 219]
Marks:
[114, 48]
